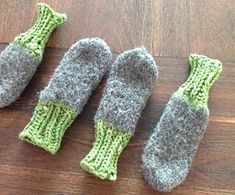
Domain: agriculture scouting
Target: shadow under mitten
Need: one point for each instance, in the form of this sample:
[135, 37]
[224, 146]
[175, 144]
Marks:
[170, 150]
[78, 74]
[128, 88]
[20, 59]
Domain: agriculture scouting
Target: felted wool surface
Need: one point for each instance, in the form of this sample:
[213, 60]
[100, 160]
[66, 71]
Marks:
[78, 74]
[19, 61]
[169, 152]
[128, 88]
[17, 67]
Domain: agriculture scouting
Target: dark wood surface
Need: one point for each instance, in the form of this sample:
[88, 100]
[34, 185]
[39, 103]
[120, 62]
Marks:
[170, 30]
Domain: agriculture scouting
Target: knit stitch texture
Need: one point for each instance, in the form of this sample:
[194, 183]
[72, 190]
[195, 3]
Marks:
[48, 124]
[64, 97]
[19, 61]
[169, 152]
[103, 157]
[128, 88]
[204, 72]
[35, 39]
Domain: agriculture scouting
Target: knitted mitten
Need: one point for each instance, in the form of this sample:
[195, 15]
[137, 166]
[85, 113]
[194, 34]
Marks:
[19, 60]
[128, 88]
[64, 97]
[169, 152]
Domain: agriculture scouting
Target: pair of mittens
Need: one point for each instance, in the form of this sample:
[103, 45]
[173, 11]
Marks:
[128, 88]
[169, 152]
[20, 59]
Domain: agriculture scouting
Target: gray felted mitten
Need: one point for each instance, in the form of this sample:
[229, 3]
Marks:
[169, 152]
[19, 60]
[128, 88]
[64, 97]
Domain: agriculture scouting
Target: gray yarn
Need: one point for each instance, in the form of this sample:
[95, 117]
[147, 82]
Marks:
[79, 72]
[169, 152]
[17, 67]
[128, 88]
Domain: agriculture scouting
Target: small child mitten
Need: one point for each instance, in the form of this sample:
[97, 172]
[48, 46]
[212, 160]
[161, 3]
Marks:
[74, 80]
[19, 60]
[128, 88]
[169, 152]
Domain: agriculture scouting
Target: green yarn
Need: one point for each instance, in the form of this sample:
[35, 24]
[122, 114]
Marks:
[36, 37]
[107, 147]
[48, 124]
[204, 72]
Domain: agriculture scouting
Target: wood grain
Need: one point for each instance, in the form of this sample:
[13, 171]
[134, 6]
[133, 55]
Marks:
[167, 28]
[170, 30]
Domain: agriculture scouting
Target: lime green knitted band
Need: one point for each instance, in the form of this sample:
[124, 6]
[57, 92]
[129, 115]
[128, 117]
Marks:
[36, 37]
[48, 124]
[204, 72]
[103, 157]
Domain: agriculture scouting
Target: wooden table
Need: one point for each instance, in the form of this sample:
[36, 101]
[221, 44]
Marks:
[170, 30]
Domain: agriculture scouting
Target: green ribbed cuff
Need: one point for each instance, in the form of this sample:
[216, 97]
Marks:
[103, 158]
[204, 72]
[36, 37]
[48, 124]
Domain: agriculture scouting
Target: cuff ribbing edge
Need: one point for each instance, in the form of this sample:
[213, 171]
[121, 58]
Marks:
[204, 72]
[35, 38]
[102, 160]
[48, 124]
